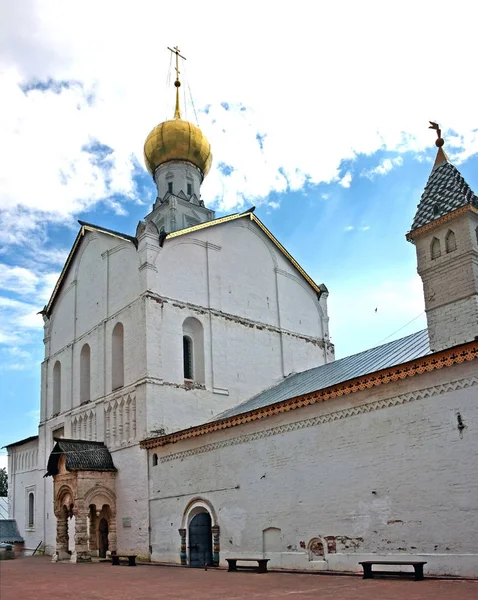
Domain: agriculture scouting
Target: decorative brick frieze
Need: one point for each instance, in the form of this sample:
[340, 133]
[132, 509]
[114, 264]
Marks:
[327, 418]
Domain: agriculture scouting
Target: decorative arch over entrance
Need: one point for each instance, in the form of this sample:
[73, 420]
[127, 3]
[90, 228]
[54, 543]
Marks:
[84, 479]
[199, 534]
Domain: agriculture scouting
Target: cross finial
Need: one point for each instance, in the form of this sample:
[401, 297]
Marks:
[177, 83]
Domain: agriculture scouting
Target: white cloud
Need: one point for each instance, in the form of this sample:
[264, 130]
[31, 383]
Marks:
[384, 167]
[18, 279]
[346, 180]
[349, 228]
[311, 113]
[23, 293]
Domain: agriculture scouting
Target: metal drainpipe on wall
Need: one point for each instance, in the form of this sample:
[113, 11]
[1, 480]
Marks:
[45, 412]
[149, 505]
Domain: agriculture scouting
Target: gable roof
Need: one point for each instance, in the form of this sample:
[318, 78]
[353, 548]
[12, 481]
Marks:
[445, 191]
[21, 442]
[84, 228]
[81, 455]
[129, 238]
[388, 355]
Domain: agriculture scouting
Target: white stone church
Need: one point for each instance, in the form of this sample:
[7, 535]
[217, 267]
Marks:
[192, 409]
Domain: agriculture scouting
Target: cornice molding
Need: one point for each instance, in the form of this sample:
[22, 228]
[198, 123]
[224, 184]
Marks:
[427, 364]
[412, 235]
[327, 418]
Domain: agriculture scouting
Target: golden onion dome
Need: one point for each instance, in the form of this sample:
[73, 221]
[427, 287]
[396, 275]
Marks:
[177, 140]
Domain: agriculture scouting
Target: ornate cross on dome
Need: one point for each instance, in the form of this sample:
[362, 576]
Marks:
[176, 51]
[177, 83]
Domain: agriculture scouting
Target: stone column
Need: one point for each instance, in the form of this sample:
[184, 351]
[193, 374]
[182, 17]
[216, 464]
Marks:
[183, 554]
[62, 534]
[92, 541]
[112, 533]
[81, 536]
[215, 545]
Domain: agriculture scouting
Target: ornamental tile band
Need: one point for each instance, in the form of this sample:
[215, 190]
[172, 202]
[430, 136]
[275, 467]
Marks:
[327, 418]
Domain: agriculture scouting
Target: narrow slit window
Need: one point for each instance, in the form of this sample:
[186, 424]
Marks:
[188, 357]
[170, 187]
[31, 510]
[117, 357]
[57, 388]
[85, 384]
[190, 189]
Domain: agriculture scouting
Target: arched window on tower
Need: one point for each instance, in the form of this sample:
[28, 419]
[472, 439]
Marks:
[155, 460]
[450, 241]
[435, 248]
[193, 350]
[85, 365]
[117, 357]
[57, 388]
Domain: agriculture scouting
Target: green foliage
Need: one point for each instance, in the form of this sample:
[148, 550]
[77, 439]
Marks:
[3, 482]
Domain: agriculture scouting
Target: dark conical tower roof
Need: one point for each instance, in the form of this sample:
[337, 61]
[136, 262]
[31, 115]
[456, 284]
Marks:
[445, 192]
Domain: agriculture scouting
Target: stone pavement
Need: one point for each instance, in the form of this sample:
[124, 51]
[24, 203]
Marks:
[36, 578]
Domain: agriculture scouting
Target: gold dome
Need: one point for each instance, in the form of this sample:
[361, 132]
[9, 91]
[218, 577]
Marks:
[177, 140]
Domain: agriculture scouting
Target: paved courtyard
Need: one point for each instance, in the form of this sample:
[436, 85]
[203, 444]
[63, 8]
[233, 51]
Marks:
[36, 578]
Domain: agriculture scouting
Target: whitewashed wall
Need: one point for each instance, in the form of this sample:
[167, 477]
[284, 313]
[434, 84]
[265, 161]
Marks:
[384, 472]
[260, 318]
[24, 475]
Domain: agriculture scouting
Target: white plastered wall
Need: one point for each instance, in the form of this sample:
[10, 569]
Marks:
[384, 472]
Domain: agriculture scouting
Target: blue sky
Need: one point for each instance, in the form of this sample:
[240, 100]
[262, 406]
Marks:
[334, 153]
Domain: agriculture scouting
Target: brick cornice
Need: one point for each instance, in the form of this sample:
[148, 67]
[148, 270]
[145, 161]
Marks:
[431, 362]
[411, 235]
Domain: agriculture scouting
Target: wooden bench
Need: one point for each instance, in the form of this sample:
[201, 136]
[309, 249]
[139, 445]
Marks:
[261, 564]
[368, 573]
[115, 559]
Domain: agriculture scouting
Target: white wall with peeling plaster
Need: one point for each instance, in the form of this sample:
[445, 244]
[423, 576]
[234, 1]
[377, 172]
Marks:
[385, 472]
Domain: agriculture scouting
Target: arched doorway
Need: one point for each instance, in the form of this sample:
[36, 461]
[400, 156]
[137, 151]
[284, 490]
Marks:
[200, 540]
[102, 538]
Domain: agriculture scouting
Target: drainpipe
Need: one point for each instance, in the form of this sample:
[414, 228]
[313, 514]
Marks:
[149, 505]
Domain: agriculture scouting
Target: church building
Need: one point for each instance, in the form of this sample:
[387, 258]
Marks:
[192, 409]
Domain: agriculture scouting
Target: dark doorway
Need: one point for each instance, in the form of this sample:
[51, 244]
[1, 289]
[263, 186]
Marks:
[103, 538]
[200, 541]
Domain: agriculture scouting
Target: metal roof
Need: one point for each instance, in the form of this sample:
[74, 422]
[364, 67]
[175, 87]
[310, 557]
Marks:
[21, 442]
[388, 355]
[81, 455]
[9, 531]
[445, 191]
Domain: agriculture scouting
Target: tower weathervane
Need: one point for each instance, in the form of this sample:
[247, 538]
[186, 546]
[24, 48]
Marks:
[177, 83]
[439, 141]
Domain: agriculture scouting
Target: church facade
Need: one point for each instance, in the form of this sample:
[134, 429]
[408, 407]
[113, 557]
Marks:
[192, 409]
